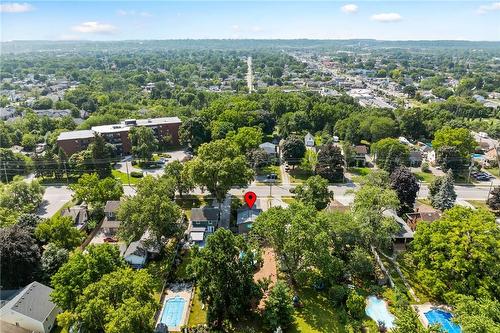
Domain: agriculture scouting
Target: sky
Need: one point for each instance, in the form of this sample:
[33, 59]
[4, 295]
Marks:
[125, 20]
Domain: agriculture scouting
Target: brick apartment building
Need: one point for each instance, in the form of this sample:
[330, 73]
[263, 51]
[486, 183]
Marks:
[117, 134]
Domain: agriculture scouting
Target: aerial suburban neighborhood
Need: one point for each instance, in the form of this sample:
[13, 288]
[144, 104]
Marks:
[249, 181]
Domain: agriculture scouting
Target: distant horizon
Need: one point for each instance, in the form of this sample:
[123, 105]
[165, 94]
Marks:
[250, 39]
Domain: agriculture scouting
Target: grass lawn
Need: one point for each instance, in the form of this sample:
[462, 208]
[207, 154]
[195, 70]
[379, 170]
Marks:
[288, 200]
[479, 204]
[319, 315]
[298, 175]
[425, 177]
[191, 201]
[197, 315]
[359, 171]
[123, 177]
[180, 272]
[493, 171]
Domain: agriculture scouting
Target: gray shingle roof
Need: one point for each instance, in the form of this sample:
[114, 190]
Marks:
[205, 214]
[111, 206]
[33, 301]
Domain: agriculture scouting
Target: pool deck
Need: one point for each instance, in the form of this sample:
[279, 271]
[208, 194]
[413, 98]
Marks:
[423, 308]
[184, 290]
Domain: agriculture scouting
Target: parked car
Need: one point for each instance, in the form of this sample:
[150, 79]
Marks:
[272, 176]
[110, 240]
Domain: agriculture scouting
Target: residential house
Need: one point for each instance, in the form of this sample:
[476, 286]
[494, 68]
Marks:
[31, 309]
[138, 252]
[79, 214]
[404, 235]
[111, 223]
[245, 218]
[309, 140]
[361, 155]
[204, 221]
[414, 218]
[415, 158]
[269, 148]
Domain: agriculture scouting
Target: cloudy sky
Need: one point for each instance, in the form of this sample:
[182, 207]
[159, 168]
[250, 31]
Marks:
[118, 20]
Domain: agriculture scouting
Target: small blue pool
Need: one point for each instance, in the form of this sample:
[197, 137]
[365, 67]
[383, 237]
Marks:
[173, 311]
[444, 319]
[377, 310]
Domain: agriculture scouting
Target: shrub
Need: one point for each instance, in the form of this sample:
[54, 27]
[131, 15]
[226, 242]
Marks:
[137, 174]
[338, 294]
[356, 305]
[425, 167]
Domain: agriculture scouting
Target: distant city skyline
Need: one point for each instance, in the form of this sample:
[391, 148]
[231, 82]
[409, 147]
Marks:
[126, 20]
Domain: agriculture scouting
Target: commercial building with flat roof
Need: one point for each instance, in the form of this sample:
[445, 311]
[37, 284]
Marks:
[118, 134]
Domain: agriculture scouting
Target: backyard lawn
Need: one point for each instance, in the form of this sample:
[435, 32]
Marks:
[479, 204]
[197, 315]
[268, 170]
[320, 315]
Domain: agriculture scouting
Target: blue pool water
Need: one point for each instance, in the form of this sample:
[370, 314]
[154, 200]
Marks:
[377, 310]
[172, 312]
[443, 318]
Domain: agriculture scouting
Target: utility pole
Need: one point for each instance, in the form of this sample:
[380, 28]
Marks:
[128, 175]
[5, 172]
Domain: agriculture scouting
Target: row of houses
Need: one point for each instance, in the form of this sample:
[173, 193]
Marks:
[118, 134]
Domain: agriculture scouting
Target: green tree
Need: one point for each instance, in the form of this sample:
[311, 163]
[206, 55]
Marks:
[144, 142]
[477, 315]
[355, 305]
[278, 310]
[61, 231]
[102, 306]
[370, 203]
[246, 138]
[20, 257]
[330, 163]
[225, 277]
[293, 150]
[442, 192]
[361, 263]
[309, 161]
[460, 138]
[219, 166]
[21, 196]
[390, 153]
[150, 209]
[314, 192]
[95, 191]
[450, 158]
[81, 270]
[11, 164]
[29, 141]
[52, 259]
[180, 174]
[458, 253]
[193, 132]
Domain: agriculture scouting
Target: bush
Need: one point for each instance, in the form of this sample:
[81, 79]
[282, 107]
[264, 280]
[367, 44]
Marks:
[137, 174]
[338, 294]
[134, 162]
[356, 305]
[425, 167]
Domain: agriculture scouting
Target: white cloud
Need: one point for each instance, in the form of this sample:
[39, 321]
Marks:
[235, 27]
[350, 8]
[121, 12]
[257, 28]
[15, 7]
[483, 9]
[95, 28]
[386, 17]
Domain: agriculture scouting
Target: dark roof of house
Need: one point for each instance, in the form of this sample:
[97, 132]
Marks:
[425, 216]
[108, 224]
[360, 149]
[77, 213]
[112, 206]
[246, 215]
[416, 155]
[135, 248]
[33, 301]
[205, 214]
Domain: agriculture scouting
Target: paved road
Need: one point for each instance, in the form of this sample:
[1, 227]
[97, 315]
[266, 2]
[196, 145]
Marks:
[53, 199]
[56, 196]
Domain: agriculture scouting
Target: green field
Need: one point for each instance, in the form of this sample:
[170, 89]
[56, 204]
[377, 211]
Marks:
[123, 177]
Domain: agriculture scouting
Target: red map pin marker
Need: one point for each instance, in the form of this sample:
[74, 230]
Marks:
[250, 199]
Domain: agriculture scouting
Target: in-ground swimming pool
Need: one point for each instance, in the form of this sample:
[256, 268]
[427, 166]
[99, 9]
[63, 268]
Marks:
[377, 310]
[442, 318]
[173, 311]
